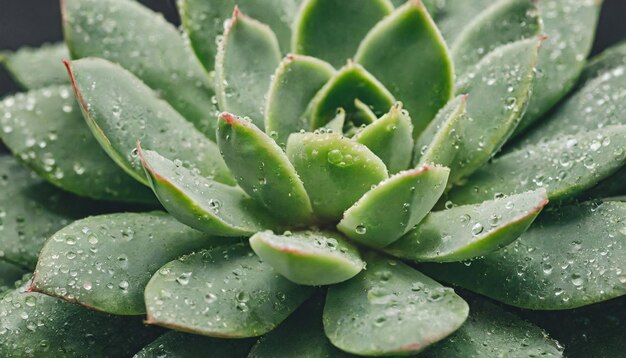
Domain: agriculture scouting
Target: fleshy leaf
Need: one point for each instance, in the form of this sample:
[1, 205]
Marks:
[363, 113]
[336, 124]
[388, 52]
[572, 256]
[309, 258]
[121, 110]
[570, 28]
[332, 30]
[609, 60]
[9, 274]
[184, 345]
[140, 40]
[465, 232]
[224, 292]
[390, 138]
[45, 127]
[503, 22]
[394, 206]
[36, 325]
[202, 203]
[296, 81]
[336, 171]
[454, 15]
[39, 67]
[104, 262]
[349, 83]
[564, 166]
[390, 309]
[263, 169]
[246, 60]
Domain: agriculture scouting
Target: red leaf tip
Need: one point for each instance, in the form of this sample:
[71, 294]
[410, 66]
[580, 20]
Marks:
[228, 117]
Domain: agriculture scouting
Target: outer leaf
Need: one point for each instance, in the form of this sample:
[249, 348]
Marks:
[104, 262]
[465, 232]
[608, 60]
[565, 167]
[503, 22]
[223, 292]
[388, 52]
[570, 27]
[309, 257]
[454, 15]
[144, 43]
[396, 205]
[44, 128]
[203, 21]
[246, 60]
[332, 30]
[350, 83]
[183, 345]
[35, 325]
[9, 274]
[263, 169]
[390, 309]
[201, 203]
[336, 171]
[296, 81]
[581, 263]
[37, 67]
[390, 138]
[120, 110]
[431, 5]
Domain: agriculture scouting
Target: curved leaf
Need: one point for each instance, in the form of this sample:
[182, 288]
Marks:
[609, 60]
[183, 345]
[564, 167]
[363, 113]
[309, 257]
[223, 292]
[349, 83]
[120, 110]
[465, 232]
[246, 60]
[336, 171]
[296, 81]
[572, 256]
[336, 124]
[388, 52]
[38, 67]
[104, 262]
[44, 128]
[141, 41]
[454, 15]
[390, 309]
[390, 138]
[201, 203]
[271, 179]
[394, 207]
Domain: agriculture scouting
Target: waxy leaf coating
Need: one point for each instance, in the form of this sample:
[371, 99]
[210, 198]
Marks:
[40, 67]
[185, 345]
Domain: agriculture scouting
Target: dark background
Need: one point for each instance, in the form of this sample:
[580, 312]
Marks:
[33, 22]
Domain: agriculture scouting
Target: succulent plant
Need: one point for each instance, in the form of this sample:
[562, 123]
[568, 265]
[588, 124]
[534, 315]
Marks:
[335, 177]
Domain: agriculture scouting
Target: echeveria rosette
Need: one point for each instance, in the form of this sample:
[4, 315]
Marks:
[334, 186]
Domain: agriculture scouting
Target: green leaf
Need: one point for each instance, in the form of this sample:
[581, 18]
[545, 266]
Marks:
[390, 309]
[394, 207]
[183, 345]
[609, 60]
[120, 111]
[388, 52]
[296, 81]
[336, 124]
[263, 169]
[349, 83]
[141, 41]
[203, 21]
[465, 232]
[490, 331]
[202, 203]
[390, 138]
[363, 113]
[224, 292]
[44, 128]
[570, 27]
[246, 60]
[564, 167]
[309, 257]
[104, 262]
[332, 30]
[572, 256]
[609, 187]
[34, 68]
[9, 275]
[336, 171]
[35, 325]
[501, 23]
[431, 5]
[454, 15]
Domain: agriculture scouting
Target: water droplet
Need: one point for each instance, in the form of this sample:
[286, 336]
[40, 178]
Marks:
[577, 280]
[123, 285]
[477, 229]
[183, 279]
[361, 229]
